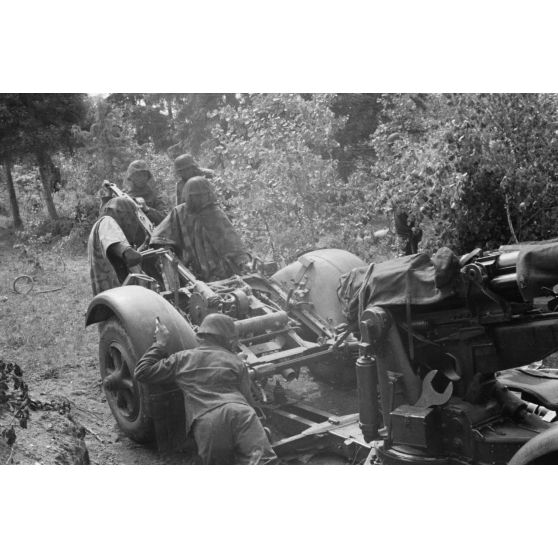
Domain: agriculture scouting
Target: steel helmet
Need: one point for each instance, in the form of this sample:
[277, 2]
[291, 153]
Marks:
[219, 325]
[197, 193]
[139, 165]
[184, 161]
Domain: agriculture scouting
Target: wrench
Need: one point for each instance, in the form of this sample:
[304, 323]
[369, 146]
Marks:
[429, 396]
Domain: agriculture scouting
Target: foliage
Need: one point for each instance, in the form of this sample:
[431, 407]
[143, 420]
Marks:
[362, 112]
[510, 142]
[14, 401]
[278, 175]
[415, 168]
[195, 117]
[38, 125]
[177, 122]
[151, 116]
[46, 120]
[302, 171]
[482, 168]
[109, 146]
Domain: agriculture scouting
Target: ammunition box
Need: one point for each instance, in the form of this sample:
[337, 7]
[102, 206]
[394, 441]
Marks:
[416, 426]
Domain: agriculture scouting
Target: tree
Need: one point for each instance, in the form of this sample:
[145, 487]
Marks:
[8, 148]
[279, 179]
[109, 145]
[151, 116]
[18, 223]
[44, 126]
[179, 121]
[362, 112]
[196, 115]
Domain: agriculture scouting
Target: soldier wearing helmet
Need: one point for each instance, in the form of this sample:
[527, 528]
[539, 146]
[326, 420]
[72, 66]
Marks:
[186, 167]
[138, 182]
[216, 387]
[111, 245]
[201, 234]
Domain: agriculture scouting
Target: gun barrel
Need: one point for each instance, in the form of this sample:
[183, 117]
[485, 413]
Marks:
[259, 324]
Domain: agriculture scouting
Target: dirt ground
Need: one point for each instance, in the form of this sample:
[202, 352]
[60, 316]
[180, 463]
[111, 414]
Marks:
[43, 332]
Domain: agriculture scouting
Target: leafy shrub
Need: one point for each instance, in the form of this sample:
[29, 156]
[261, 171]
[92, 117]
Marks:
[279, 180]
[482, 168]
[54, 229]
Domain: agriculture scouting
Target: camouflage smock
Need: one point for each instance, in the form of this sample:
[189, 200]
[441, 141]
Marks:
[118, 223]
[157, 209]
[201, 233]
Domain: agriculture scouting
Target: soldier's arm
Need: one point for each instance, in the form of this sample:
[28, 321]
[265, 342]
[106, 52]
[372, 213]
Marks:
[156, 211]
[156, 366]
[154, 215]
[109, 233]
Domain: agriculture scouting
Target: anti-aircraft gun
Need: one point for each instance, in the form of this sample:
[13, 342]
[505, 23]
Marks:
[445, 372]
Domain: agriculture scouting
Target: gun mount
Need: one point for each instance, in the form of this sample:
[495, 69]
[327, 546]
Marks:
[440, 366]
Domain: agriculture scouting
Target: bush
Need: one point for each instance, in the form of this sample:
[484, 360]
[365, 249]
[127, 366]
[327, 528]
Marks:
[279, 180]
[54, 229]
[482, 168]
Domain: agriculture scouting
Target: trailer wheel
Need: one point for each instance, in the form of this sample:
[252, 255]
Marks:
[127, 398]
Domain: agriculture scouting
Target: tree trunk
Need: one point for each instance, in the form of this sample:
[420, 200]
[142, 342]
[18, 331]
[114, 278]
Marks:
[168, 101]
[18, 224]
[45, 170]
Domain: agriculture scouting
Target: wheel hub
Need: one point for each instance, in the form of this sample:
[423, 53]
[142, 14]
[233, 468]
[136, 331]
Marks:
[119, 384]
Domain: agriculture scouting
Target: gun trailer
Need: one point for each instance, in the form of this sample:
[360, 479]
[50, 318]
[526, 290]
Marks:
[435, 356]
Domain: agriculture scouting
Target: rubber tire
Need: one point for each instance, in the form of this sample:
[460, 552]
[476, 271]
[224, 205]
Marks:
[540, 450]
[141, 429]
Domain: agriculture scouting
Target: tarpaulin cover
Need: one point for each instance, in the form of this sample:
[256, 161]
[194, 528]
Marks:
[537, 267]
[416, 280]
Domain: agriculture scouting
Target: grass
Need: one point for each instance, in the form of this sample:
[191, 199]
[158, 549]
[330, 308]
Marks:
[44, 331]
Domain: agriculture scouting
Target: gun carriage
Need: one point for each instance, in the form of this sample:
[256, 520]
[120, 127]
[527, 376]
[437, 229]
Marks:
[444, 349]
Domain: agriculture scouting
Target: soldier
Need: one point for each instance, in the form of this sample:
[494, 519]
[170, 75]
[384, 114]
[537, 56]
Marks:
[110, 248]
[185, 168]
[409, 235]
[216, 388]
[202, 235]
[139, 183]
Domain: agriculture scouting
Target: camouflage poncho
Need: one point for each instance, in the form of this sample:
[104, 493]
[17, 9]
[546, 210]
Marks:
[117, 223]
[201, 233]
[157, 207]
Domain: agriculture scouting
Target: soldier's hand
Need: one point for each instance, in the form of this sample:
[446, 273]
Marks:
[161, 334]
[131, 257]
[141, 203]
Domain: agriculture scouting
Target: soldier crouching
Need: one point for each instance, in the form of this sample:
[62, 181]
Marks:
[216, 388]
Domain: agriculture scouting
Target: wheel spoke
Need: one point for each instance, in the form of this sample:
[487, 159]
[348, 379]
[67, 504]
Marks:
[127, 384]
[128, 400]
[122, 372]
[123, 395]
[116, 356]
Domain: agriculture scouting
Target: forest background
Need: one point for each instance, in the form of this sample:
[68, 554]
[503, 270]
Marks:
[293, 171]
